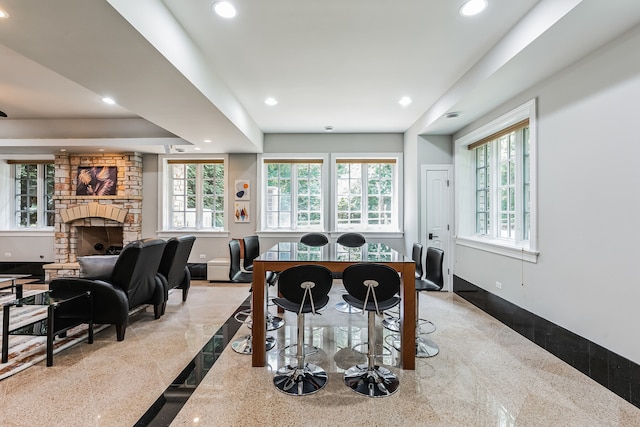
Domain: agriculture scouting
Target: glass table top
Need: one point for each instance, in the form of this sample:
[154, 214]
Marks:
[334, 252]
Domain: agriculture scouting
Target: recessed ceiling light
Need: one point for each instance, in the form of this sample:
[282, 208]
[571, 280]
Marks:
[452, 115]
[197, 148]
[108, 100]
[3, 14]
[328, 128]
[101, 149]
[271, 101]
[224, 9]
[404, 101]
[473, 7]
[63, 149]
[207, 141]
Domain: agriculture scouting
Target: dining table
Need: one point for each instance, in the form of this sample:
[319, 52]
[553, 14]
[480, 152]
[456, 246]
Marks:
[336, 258]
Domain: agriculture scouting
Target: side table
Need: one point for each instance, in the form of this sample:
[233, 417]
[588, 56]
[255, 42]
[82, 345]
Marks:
[64, 310]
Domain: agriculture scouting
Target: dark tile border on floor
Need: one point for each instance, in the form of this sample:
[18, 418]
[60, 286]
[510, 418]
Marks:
[609, 369]
[167, 406]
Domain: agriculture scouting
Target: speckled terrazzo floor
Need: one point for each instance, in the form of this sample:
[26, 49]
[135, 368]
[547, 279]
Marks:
[485, 374]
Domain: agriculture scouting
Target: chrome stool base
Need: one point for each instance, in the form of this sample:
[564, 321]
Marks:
[300, 381]
[344, 307]
[245, 344]
[425, 347]
[373, 382]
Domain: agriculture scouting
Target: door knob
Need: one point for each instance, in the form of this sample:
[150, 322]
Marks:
[431, 236]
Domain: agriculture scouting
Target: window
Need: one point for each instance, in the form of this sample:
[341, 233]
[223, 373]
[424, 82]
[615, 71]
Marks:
[323, 192]
[366, 194]
[495, 168]
[196, 191]
[293, 194]
[505, 154]
[33, 190]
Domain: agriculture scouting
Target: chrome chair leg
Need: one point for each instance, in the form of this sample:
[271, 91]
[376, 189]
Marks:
[371, 380]
[304, 378]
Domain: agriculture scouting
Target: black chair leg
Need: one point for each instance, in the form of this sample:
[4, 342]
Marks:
[120, 329]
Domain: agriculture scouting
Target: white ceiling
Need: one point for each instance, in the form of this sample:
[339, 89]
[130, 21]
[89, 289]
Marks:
[181, 74]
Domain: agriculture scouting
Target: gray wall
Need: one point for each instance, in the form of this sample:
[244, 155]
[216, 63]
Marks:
[585, 279]
[244, 166]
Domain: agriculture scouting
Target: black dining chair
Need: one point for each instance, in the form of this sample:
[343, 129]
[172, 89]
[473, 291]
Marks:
[392, 318]
[304, 289]
[350, 240]
[244, 344]
[373, 288]
[251, 251]
[433, 281]
[236, 274]
[314, 239]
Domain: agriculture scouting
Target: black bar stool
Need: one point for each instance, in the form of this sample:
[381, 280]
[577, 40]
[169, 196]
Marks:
[304, 289]
[372, 288]
[350, 240]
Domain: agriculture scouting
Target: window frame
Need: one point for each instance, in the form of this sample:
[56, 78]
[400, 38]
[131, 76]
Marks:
[165, 194]
[397, 202]
[41, 211]
[465, 163]
[263, 161]
[329, 193]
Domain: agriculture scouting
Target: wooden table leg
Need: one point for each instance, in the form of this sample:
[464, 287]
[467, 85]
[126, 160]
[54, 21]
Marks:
[408, 316]
[258, 327]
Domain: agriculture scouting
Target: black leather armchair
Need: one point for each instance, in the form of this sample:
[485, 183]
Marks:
[173, 271]
[132, 282]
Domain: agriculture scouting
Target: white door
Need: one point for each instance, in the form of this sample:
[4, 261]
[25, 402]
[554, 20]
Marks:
[436, 220]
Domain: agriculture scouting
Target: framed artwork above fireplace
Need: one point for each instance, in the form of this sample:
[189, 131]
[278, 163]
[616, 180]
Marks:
[97, 181]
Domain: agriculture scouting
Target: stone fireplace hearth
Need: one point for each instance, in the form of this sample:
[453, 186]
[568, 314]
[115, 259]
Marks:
[85, 223]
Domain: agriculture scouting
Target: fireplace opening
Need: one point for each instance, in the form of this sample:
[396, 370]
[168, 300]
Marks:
[99, 241]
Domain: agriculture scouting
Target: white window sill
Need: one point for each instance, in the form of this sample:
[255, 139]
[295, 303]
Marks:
[47, 232]
[197, 233]
[498, 247]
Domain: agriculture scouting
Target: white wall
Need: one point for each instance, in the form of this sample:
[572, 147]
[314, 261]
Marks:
[586, 279]
[332, 142]
[17, 246]
[420, 150]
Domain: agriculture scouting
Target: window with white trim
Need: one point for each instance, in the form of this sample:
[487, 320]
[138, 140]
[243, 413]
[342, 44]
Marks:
[292, 195]
[33, 194]
[495, 168]
[366, 194]
[502, 208]
[196, 194]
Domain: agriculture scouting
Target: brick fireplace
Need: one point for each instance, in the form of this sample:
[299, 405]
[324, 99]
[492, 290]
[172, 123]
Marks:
[88, 225]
